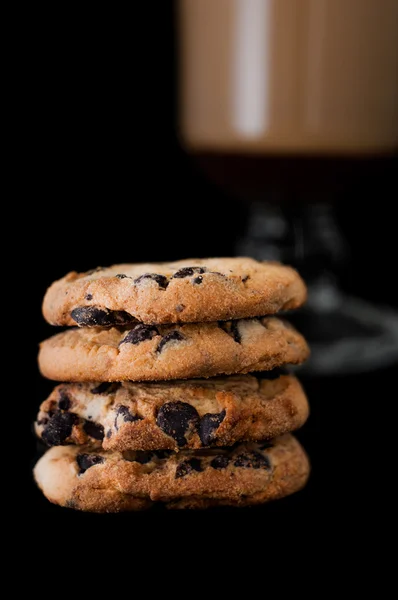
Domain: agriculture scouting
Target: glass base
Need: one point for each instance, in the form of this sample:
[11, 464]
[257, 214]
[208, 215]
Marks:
[346, 334]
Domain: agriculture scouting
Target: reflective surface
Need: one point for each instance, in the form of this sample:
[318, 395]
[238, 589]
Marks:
[346, 334]
[289, 76]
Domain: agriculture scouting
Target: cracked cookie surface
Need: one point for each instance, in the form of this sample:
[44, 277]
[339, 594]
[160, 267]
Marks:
[88, 478]
[163, 352]
[187, 291]
[173, 415]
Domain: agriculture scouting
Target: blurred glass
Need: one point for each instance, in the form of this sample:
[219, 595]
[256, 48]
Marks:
[297, 76]
[278, 98]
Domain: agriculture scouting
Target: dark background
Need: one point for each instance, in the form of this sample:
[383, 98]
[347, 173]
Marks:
[109, 182]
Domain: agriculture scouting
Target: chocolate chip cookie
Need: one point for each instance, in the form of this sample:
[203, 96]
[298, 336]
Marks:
[153, 353]
[89, 479]
[173, 415]
[187, 291]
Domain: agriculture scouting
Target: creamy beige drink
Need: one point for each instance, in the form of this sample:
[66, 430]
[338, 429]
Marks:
[289, 76]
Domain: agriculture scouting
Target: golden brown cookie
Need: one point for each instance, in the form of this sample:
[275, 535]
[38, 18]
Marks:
[90, 479]
[149, 353]
[173, 415]
[186, 291]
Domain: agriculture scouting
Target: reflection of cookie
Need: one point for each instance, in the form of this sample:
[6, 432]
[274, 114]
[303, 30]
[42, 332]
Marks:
[87, 478]
[187, 291]
[149, 353]
[172, 415]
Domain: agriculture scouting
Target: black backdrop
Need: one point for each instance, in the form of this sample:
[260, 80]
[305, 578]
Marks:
[108, 182]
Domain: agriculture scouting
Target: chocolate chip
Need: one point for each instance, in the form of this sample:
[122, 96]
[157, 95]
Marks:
[173, 335]
[64, 402]
[109, 433]
[94, 430]
[89, 296]
[93, 316]
[59, 428]
[252, 460]
[176, 419]
[188, 272]
[188, 466]
[208, 425]
[197, 280]
[122, 276]
[231, 327]
[161, 280]
[245, 278]
[140, 333]
[126, 414]
[220, 462]
[86, 461]
[42, 421]
[106, 388]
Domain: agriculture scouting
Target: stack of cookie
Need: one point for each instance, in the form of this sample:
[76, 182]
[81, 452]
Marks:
[156, 404]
